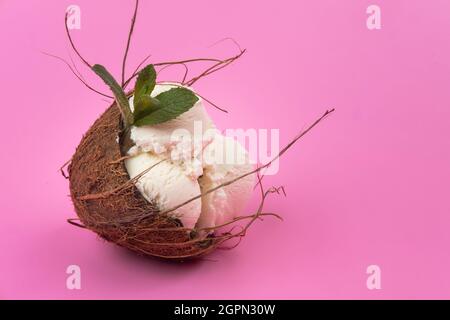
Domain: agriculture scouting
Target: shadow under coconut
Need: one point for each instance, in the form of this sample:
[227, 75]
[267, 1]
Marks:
[184, 265]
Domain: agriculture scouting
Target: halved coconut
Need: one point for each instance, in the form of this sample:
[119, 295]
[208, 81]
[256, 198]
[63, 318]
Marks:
[108, 203]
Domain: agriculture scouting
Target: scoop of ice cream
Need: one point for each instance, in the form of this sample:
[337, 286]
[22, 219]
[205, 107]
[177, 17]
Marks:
[182, 139]
[196, 158]
[224, 159]
[180, 143]
[166, 185]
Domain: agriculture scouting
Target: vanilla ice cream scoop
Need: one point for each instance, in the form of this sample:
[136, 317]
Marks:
[181, 139]
[189, 156]
[224, 159]
[166, 185]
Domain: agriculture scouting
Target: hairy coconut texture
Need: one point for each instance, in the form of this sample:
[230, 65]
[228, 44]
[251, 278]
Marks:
[108, 203]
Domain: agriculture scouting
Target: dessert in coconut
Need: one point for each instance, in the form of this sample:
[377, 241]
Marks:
[122, 195]
[154, 175]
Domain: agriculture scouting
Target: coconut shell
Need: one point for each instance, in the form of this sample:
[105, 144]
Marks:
[108, 203]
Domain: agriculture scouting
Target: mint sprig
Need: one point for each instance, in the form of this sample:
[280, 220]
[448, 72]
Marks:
[172, 103]
[148, 110]
[144, 106]
[145, 83]
[121, 97]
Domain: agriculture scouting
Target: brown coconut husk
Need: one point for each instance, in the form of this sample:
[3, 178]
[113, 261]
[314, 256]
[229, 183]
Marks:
[108, 203]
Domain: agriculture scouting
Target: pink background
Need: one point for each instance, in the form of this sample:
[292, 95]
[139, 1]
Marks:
[368, 186]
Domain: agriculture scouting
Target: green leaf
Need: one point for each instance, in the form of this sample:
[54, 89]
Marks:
[145, 82]
[173, 103]
[120, 95]
[145, 105]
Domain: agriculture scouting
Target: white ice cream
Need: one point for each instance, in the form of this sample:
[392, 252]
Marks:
[167, 185]
[223, 160]
[172, 139]
[196, 158]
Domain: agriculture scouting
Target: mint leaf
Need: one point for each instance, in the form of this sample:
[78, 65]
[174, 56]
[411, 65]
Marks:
[145, 82]
[173, 103]
[145, 105]
[121, 97]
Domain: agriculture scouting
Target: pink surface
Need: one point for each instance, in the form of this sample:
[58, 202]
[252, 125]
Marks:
[368, 186]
